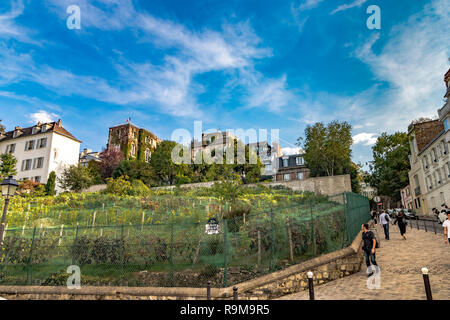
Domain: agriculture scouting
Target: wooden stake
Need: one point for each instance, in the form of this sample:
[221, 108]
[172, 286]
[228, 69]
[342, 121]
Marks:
[60, 235]
[93, 219]
[259, 249]
[291, 243]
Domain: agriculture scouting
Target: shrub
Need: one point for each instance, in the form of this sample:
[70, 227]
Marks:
[119, 186]
[56, 279]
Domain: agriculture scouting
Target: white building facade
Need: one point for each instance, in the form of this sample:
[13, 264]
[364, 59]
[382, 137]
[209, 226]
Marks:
[41, 149]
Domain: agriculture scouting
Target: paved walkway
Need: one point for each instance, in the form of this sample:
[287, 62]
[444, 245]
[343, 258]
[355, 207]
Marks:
[400, 262]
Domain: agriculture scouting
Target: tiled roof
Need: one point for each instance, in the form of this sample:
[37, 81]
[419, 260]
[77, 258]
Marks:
[52, 127]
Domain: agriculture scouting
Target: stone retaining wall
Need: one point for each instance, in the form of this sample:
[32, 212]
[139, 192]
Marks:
[323, 185]
[326, 268]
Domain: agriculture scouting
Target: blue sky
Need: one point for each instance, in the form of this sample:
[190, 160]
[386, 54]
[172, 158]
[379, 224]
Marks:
[232, 64]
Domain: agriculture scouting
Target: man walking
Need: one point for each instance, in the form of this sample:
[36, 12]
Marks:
[384, 220]
[446, 226]
[368, 247]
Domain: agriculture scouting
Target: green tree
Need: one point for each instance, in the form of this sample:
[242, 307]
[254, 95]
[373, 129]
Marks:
[51, 184]
[135, 170]
[76, 178]
[8, 165]
[165, 169]
[327, 148]
[2, 127]
[390, 165]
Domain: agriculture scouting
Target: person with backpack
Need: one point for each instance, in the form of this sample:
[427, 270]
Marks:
[384, 220]
[368, 248]
[401, 219]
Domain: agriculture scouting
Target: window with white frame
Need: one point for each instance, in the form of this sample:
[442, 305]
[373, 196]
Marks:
[133, 149]
[285, 162]
[29, 145]
[26, 164]
[438, 176]
[148, 155]
[286, 177]
[300, 175]
[37, 179]
[11, 148]
[435, 156]
[41, 143]
[444, 147]
[38, 163]
[299, 161]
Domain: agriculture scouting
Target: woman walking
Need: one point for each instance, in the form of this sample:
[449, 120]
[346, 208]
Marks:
[401, 219]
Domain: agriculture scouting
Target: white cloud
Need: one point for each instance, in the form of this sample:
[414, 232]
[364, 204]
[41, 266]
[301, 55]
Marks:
[43, 116]
[170, 86]
[290, 151]
[412, 62]
[308, 4]
[364, 138]
[343, 7]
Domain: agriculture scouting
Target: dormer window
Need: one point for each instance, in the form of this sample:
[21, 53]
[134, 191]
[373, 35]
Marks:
[36, 129]
[17, 132]
[44, 128]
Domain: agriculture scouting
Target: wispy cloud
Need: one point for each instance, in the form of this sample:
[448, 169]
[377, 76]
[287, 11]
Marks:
[270, 94]
[343, 7]
[170, 86]
[412, 62]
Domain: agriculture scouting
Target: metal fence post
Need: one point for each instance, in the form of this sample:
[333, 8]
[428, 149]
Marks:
[30, 259]
[122, 249]
[425, 226]
[310, 285]
[171, 253]
[426, 281]
[434, 226]
[225, 253]
[235, 293]
[208, 291]
[417, 223]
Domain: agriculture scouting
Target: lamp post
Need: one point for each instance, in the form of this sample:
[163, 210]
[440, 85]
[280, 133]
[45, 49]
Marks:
[9, 187]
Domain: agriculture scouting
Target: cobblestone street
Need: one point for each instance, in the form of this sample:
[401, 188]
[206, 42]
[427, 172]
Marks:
[400, 262]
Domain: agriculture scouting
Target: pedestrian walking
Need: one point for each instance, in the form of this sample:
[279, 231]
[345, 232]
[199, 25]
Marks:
[401, 220]
[446, 226]
[368, 248]
[384, 220]
[374, 216]
[442, 216]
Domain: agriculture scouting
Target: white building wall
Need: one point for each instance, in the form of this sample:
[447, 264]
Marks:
[63, 153]
[21, 154]
[59, 152]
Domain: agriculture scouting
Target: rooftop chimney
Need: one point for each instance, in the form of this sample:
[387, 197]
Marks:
[58, 123]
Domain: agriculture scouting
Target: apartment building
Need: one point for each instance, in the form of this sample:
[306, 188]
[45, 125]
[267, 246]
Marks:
[41, 149]
[430, 161]
[268, 154]
[292, 167]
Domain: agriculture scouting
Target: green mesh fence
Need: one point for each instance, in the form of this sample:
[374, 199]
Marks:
[178, 252]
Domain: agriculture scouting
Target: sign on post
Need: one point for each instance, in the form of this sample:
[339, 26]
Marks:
[212, 227]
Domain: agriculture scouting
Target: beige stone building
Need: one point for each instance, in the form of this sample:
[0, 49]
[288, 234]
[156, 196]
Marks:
[430, 160]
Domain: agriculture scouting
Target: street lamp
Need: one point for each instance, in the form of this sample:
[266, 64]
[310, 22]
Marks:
[9, 187]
